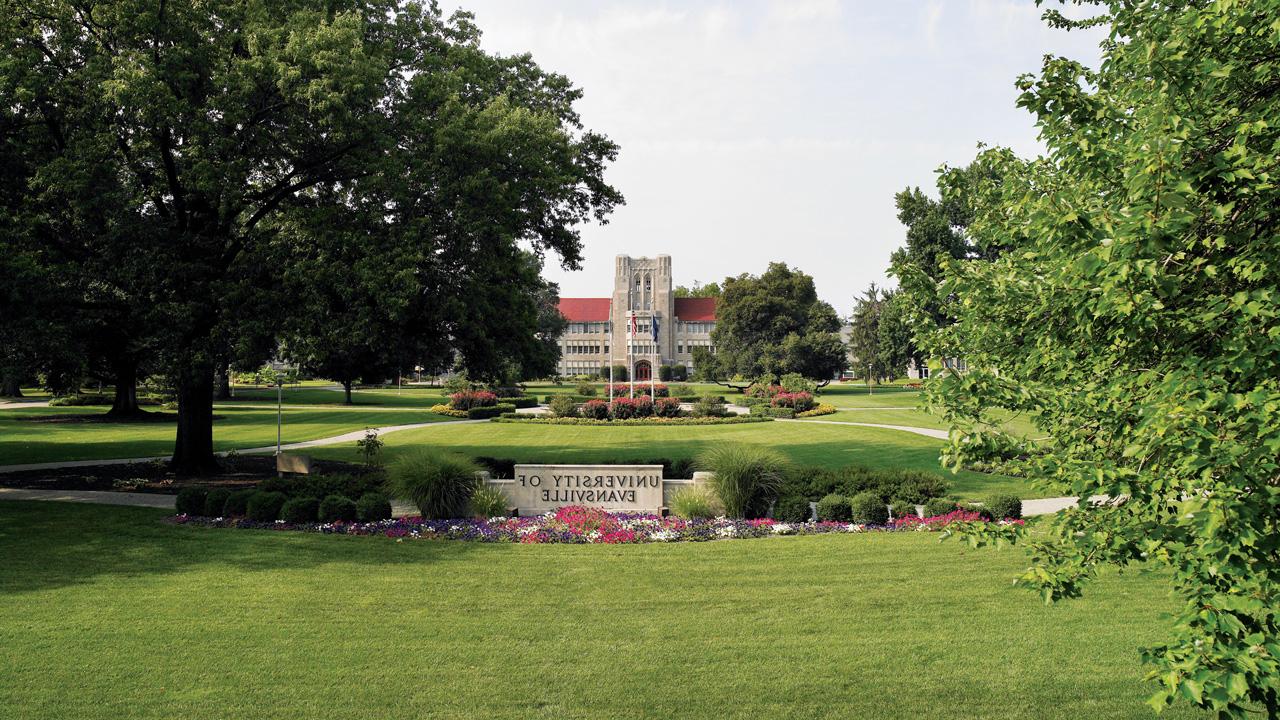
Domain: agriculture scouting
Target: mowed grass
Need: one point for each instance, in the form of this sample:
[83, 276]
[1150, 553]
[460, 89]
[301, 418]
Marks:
[24, 441]
[111, 614]
[805, 443]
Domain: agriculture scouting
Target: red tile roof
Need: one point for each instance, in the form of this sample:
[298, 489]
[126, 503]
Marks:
[585, 309]
[696, 309]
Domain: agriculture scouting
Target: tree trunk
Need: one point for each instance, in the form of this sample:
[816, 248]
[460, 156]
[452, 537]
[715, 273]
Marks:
[222, 390]
[10, 386]
[126, 399]
[193, 448]
[346, 387]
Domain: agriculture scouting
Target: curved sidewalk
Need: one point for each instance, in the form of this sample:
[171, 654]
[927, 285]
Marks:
[927, 432]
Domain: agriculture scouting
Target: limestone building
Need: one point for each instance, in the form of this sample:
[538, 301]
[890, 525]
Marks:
[642, 325]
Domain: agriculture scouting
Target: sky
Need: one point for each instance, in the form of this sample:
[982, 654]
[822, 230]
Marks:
[779, 130]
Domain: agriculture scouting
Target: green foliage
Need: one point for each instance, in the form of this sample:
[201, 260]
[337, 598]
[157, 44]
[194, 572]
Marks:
[300, 510]
[491, 411]
[938, 506]
[1003, 506]
[710, 406]
[586, 389]
[237, 504]
[563, 406]
[746, 477]
[439, 483]
[792, 508]
[906, 485]
[264, 506]
[370, 448]
[457, 382]
[215, 501]
[694, 502]
[619, 373]
[489, 502]
[901, 508]
[868, 508]
[321, 485]
[834, 508]
[190, 501]
[1135, 318]
[797, 383]
[373, 506]
[336, 508]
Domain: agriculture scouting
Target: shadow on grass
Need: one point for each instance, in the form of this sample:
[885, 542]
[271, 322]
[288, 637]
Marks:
[49, 545]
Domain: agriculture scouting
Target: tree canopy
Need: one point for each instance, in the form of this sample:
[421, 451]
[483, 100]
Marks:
[1135, 318]
[199, 161]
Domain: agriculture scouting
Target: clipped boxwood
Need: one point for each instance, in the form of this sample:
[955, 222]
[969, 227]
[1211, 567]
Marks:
[373, 506]
[792, 509]
[527, 401]
[190, 501]
[265, 506]
[902, 508]
[237, 504]
[835, 508]
[336, 508]
[939, 506]
[215, 501]
[299, 510]
[490, 411]
[867, 508]
[1003, 506]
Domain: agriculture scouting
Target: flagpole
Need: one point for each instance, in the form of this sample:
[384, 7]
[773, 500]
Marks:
[631, 366]
[609, 355]
[653, 320]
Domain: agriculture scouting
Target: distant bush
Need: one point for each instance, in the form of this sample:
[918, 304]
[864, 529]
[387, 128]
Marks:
[373, 506]
[497, 467]
[586, 389]
[564, 406]
[507, 391]
[190, 501]
[487, 502]
[484, 412]
[816, 410]
[1003, 506]
[595, 410]
[869, 509]
[215, 501]
[797, 383]
[299, 510]
[336, 508]
[440, 484]
[264, 506]
[527, 401]
[351, 485]
[237, 504]
[763, 410]
[628, 408]
[834, 508]
[746, 477]
[900, 508]
[710, 406]
[667, 407]
[792, 509]
[468, 399]
[799, 401]
[938, 506]
[693, 503]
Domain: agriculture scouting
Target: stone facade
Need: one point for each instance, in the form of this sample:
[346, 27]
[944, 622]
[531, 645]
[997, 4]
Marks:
[599, 332]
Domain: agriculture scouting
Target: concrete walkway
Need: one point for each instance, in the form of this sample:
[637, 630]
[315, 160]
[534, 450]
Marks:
[927, 432]
[335, 440]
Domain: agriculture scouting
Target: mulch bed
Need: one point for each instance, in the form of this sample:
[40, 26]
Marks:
[243, 471]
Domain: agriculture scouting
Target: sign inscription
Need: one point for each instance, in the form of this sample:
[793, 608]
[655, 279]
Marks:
[539, 488]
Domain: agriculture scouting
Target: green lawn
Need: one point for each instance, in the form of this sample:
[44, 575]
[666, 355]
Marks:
[808, 443]
[239, 427]
[405, 397]
[110, 614]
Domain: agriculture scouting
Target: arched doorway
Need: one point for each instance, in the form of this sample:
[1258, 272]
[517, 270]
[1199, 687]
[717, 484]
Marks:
[643, 371]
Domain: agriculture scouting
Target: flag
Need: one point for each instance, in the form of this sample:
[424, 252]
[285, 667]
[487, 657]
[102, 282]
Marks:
[655, 330]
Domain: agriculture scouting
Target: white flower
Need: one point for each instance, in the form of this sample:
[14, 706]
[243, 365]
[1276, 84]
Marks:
[663, 536]
[782, 529]
[855, 527]
[727, 531]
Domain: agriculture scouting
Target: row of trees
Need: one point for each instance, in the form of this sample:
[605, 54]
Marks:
[357, 183]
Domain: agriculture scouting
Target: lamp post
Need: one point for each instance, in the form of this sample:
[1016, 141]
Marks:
[279, 419]
[868, 378]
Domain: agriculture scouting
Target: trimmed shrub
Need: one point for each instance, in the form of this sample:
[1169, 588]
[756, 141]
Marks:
[746, 477]
[373, 506]
[641, 388]
[710, 406]
[667, 407]
[762, 409]
[564, 406]
[527, 401]
[336, 508]
[1003, 506]
[619, 373]
[507, 392]
[816, 410]
[869, 509]
[300, 510]
[595, 410]
[586, 389]
[487, 502]
[902, 508]
[264, 506]
[693, 503]
[468, 399]
[679, 373]
[215, 501]
[190, 501]
[835, 508]
[792, 509]
[799, 401]
[797, 383]
[484, 412]
[351, 485]
[664, 373]
[938, 506]
[237, 504]
[440, 484]
[628, 408]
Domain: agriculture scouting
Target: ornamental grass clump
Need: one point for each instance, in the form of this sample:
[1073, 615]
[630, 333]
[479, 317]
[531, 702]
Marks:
[694, 503]
[744, 476]
[439, 483]
[487, 502]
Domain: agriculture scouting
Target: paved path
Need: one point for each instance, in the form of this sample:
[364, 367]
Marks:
[927, 432]
[336, 439]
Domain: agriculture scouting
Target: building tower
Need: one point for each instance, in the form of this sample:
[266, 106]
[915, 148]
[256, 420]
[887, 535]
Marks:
[642, 287]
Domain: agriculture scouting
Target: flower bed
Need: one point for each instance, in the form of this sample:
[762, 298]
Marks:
[544, 420]
[819, 409]
[581, 525]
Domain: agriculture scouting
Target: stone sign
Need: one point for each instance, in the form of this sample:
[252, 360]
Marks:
[540, 488]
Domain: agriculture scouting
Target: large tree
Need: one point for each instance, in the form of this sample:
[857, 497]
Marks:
[1136, 320]
[771, 325]
[216, 131]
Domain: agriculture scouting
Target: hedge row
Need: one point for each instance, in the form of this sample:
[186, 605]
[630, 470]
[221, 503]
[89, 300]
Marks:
[481, 412]
[535, 419]
[271, 505]
[766, 410]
